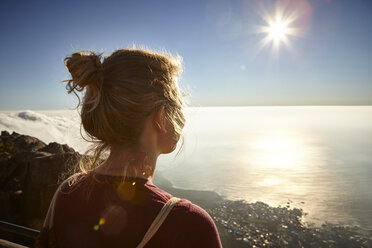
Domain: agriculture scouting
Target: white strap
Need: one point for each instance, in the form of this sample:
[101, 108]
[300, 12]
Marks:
[162, 215]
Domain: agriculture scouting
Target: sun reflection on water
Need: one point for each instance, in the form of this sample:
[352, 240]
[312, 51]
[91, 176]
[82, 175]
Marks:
[270, 181]
[313, 157]
[283, 161]
[280, 150]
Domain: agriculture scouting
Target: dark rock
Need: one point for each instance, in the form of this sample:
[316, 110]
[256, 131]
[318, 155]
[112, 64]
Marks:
[54, 148]
[16, 143]
[4, 133]
[30, 172]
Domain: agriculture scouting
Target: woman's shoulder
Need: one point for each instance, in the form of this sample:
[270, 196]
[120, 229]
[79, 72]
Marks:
[183, 208]
[195, 227]
[187, 207]
[70, 184]
[192, 213]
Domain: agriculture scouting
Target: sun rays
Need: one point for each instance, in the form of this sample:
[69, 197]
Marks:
[279, 28]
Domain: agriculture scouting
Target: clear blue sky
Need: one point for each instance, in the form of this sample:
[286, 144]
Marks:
[330, 63]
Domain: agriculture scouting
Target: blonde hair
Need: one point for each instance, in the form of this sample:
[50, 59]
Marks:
[120, 93]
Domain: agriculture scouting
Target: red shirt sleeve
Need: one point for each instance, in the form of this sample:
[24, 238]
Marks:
[197, 230]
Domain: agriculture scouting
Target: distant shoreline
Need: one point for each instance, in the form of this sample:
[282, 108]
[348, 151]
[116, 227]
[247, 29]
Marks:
[205, 106]
[241, 223]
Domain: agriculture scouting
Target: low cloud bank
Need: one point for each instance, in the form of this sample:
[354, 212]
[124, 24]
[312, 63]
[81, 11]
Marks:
[52, 126]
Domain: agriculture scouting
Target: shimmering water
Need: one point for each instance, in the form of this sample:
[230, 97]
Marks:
[315, 158]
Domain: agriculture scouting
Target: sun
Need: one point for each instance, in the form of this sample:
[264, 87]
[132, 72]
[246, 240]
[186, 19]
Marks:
[279, 28]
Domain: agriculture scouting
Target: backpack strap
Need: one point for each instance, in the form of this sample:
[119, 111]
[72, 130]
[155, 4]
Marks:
[160, 218]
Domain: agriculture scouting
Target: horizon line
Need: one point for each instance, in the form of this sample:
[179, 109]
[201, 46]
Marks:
[219, 106]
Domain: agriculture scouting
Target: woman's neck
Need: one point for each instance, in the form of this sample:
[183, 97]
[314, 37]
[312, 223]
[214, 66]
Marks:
[123, 162]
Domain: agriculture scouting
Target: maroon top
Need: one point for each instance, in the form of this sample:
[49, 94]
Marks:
[118, 214]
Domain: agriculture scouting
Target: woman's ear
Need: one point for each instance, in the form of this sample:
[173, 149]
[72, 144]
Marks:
[159, 120]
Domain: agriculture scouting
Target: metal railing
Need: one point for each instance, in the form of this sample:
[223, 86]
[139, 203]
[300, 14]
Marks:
[18, 234]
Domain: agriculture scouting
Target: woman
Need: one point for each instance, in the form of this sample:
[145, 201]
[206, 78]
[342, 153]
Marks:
[132, 110]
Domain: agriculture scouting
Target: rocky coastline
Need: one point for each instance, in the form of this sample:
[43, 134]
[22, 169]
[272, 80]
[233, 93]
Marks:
[31, 170]
[260, 225]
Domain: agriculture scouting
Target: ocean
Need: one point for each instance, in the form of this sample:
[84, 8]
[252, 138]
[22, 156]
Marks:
[317, 158]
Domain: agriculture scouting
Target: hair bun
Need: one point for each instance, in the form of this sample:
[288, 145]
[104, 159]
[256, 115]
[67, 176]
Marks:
[86, 70]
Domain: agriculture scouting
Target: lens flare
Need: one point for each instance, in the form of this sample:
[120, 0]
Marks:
[101, 221]
[281, 25]
[277, 30]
